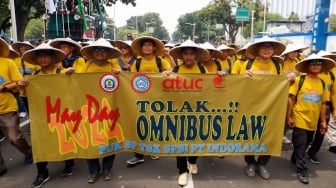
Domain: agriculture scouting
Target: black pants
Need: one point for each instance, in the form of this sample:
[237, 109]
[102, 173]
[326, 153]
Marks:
[262, 159]
[317, 141]
[139, 155]
[42, 166]
[301, 139]
[94, 166]
[182, 164]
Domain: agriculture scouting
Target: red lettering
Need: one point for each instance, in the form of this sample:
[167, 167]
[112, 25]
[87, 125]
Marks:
[53, 109]
[182, 84]
[71, 116]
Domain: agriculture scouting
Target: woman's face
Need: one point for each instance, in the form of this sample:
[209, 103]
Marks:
[100, 54]
[266, 50]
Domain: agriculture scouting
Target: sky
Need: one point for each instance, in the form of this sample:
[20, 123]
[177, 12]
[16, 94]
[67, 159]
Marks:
[168, 10]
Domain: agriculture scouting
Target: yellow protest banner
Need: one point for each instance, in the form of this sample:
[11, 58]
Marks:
[93, 115]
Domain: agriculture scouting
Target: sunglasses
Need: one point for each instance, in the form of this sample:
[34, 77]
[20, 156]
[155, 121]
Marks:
[101, 49]
[313, 63]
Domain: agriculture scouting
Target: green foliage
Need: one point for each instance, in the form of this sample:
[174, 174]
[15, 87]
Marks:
[143, 25]
[332, 23]
[34, 30]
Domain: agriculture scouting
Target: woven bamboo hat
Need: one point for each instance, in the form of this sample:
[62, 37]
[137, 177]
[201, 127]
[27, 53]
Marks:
[88, 50]
[201, 52]
[56, 43]
[327, 63]
[16, 45]
[30, 55]
[278, 46]
[137, 43]
[212, 50]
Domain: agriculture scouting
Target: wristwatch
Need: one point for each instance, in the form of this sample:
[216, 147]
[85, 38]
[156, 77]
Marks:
[4, 89]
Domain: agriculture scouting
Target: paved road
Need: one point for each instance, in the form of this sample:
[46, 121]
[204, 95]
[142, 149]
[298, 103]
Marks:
[214, 172]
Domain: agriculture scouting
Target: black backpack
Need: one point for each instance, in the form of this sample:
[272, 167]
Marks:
[275, 61]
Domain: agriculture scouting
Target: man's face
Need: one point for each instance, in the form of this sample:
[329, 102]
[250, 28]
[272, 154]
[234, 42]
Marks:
[188, 56]
[148, 48]
[44, 59]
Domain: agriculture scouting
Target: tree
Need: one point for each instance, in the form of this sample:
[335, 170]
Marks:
[332, 23]
[29, 9]
[35, 29]
[142, 25]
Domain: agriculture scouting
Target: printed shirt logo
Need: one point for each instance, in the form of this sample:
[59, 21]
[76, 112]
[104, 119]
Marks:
[109, 83]
[141, 83]
[2, 80]
[312, 97]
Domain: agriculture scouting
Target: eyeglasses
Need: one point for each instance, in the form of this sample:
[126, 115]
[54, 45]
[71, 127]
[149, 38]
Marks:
[313, 63]
[101, 49]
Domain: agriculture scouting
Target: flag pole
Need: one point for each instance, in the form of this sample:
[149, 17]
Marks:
[62, 18]
[13, 20]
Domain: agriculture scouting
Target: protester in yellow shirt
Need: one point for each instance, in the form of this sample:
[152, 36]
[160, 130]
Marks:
[149, 51]
[71, 49]
[100, 53]
[127, 57]
[263, 50]
[189, 53]
[211, 61]
[47, 57]
[224, 59]
[25, 68]
[9, 118]
[243, 56]
[306, 104]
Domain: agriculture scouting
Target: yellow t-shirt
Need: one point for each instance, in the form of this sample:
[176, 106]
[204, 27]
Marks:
[210, 66]
[79, 63]
[193, 69]
[288, 66]
[150, 66]
[90, 66]
[8, 73]
[225, 66]
[325, 76]
[237, 66]
[306, 110]
[29, 69]
[56, 70]
[258, 67]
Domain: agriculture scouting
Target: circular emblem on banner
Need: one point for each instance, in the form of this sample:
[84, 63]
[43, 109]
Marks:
[141, 83]
[109, 83]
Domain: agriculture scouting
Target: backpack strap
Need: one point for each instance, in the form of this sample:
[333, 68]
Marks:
[302, 78]
[332, 76]
[276, 63]
[176, 68]
[201, 68]
[158, 63]
[218, 65]
[137, 64]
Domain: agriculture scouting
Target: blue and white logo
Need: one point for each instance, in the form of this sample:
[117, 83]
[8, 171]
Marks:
[141, 83]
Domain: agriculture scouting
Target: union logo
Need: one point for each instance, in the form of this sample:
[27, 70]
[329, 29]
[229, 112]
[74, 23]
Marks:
[141, 83]
[109, 83]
